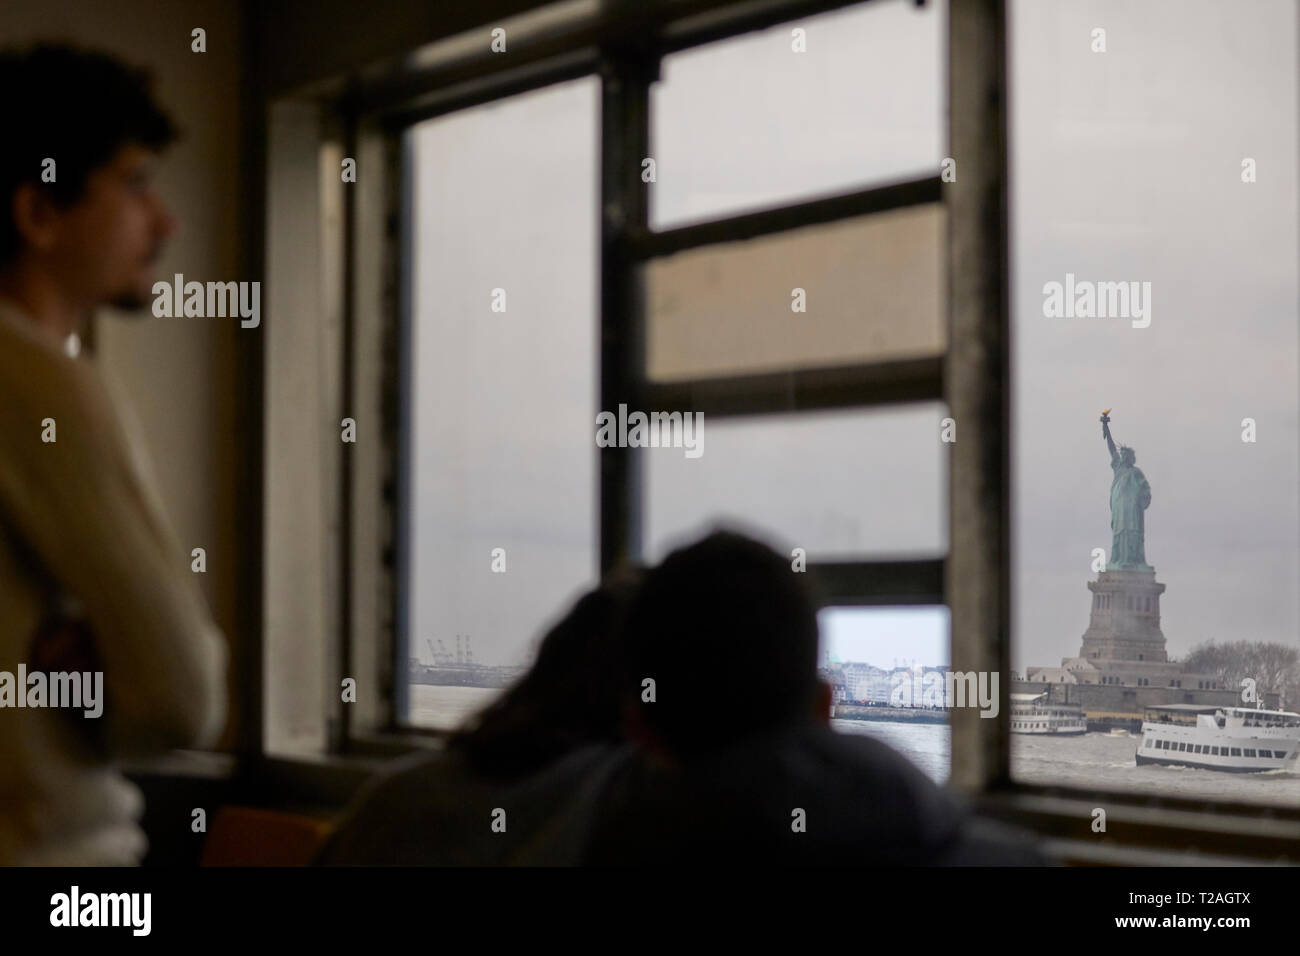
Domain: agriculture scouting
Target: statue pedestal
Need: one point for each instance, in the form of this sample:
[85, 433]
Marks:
[1125, 622]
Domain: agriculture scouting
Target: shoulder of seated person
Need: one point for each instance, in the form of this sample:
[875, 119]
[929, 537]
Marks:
[813, 742]
[865, 766]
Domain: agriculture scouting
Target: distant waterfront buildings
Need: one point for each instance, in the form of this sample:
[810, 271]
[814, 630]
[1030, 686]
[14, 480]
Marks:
[855, 682]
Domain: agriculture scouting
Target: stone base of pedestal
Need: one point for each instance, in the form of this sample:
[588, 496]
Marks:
[1125, 621]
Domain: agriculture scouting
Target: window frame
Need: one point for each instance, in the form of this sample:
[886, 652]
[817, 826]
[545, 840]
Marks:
[623, 44]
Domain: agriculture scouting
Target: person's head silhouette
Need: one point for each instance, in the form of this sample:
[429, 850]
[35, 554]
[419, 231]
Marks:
[727, 631]
[569, 697]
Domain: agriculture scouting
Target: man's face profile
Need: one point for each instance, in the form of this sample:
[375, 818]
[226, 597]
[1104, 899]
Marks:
[106, 244]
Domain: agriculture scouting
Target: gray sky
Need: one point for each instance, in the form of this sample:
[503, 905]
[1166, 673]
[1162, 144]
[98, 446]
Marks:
[1126, 166]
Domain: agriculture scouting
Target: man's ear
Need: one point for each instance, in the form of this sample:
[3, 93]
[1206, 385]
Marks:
[35, 216]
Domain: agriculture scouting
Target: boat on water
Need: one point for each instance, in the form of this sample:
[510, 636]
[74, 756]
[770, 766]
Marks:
[1035, 714]
[1231, 739]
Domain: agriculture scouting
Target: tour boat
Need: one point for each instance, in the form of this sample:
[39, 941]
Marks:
[1232, 739]
[1034, 714]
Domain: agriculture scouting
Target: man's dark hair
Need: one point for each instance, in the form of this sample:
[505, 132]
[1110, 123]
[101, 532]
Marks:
[77, 107]
[728, 631]
[568, 699]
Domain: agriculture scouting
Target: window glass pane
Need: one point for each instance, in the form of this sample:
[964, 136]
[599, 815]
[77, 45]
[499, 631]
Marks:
[838, 484]
[1166, 165]
[502, 405]
[877, 661]
[872, 289]
[747, 122]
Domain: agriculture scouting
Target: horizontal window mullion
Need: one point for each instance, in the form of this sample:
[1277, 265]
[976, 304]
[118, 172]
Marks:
[1151, 821]
[1047, 795]
[467, 92]
[850, 386]
[633, 26]
[696, 22]
[905, 582]
[764, 222]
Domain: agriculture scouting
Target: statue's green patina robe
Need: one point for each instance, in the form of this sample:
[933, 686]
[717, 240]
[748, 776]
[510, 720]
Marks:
[1130, 494]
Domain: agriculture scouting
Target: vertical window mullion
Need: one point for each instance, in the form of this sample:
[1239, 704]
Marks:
[626, 75]
[976, 382]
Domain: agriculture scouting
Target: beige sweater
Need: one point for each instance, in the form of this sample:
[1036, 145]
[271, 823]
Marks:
[81, 511]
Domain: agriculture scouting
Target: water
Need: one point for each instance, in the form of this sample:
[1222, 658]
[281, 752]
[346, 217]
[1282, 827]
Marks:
[1090, 761]
[929, 746]
[447, 707]
[1099, 760]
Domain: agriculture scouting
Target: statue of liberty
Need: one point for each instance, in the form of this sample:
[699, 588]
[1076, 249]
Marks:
[1130, 494]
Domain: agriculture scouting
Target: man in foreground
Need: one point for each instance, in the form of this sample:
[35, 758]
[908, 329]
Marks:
[92, 581]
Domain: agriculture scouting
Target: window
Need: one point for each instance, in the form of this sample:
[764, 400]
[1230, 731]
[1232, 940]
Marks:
[849, 502]
[1102, 170]
[1091, 214]
[502, 462]
[890, 657]
[872, 288]
[742, 124]
[809, 336]
[509, 343]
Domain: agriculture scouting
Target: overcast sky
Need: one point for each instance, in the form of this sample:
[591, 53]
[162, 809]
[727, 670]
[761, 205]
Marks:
[1126, 166]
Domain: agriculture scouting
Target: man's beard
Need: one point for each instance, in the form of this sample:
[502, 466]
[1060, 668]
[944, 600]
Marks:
[130, 301]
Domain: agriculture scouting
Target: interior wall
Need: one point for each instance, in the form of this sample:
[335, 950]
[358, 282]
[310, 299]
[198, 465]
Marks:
[180, 374]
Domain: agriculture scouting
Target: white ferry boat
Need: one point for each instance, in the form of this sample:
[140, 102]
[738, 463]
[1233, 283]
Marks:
[1233, 739]
[1034, 714]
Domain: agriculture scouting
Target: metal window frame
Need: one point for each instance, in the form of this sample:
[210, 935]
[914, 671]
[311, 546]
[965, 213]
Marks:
[624, 46]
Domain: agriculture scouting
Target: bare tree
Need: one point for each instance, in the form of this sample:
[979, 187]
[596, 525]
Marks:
[1274, 667]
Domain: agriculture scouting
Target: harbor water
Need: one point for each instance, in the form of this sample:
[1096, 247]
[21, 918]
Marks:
[1097, 761]
[1087, 761]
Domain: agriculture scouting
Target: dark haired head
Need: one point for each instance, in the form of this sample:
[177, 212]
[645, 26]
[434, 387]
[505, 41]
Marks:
[77, 107]
[568, 699]
[728, 632]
